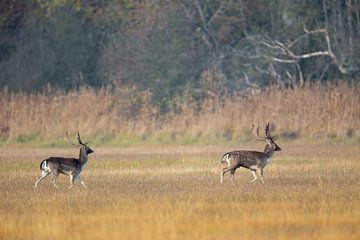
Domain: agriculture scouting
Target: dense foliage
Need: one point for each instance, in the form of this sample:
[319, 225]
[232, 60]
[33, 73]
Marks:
[177, 47]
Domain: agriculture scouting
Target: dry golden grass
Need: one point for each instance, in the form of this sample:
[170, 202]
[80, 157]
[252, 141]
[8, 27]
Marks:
[104, 116]
[310, 191]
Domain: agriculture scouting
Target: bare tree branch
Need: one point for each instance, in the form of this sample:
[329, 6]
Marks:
[209, 35]
[215, 14]
[283, 60]
[253, 85]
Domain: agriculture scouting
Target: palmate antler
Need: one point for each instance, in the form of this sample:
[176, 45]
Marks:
[267, 133]
[79, 139]
[257, 135]
[71, 142]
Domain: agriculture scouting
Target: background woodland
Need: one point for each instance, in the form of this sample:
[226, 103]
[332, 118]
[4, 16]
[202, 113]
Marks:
[163, 69]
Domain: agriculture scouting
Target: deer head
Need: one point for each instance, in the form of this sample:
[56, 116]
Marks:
[270, 140]
[83, 145]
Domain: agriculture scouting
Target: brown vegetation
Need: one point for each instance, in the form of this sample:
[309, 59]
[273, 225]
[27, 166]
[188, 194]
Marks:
[316, 111]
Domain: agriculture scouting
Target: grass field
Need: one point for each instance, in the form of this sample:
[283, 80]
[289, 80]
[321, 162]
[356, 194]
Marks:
[310, 191]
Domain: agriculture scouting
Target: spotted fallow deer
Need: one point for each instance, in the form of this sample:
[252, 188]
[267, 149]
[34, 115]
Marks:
[71, 167]
[252, 160]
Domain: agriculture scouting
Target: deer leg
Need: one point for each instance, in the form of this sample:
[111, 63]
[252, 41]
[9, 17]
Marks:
[72, 178]
[225, 170]
[232, 175]
[262, 175]
[81, 181]
[254, 174]
[43, 175]
[54, 180]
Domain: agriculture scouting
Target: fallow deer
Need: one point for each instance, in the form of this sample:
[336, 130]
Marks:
[252, 160]
[71, 167]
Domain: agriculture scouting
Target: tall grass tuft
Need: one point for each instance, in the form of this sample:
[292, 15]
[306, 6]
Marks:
[128, 116]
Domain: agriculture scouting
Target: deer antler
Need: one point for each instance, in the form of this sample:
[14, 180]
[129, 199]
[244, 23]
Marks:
[79, 139]
[267, 132]
[257, 132]
[69, 140]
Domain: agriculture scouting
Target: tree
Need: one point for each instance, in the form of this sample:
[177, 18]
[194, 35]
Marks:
[55, 46]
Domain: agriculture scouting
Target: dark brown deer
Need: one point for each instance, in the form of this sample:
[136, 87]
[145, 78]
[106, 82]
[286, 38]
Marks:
[252, 160]
[71, 167]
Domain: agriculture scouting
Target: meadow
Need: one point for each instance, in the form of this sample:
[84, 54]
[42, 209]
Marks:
[173, 192]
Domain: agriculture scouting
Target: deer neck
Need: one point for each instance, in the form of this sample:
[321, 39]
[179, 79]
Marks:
[83, 157]
[269, 152]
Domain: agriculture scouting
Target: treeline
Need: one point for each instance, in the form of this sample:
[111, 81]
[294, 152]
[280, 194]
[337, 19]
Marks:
[173, 48]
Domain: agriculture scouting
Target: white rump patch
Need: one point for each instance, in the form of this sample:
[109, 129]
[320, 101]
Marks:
[226, 159]
[45, 167]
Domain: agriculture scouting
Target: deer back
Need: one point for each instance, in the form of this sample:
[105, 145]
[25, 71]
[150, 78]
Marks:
[245, 158]
[63, 165]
